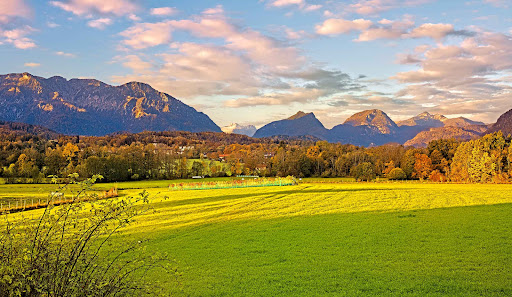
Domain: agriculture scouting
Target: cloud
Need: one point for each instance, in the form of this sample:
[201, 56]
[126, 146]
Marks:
[301, 4]
[144, 35]
[87, 8]
[164, 11]
[100, 23]
[296, 95]
[341, 26]
[12, 9]
[52, 25]
[232, 61]
[12, 14]
[498, 3]
[258, 47]
[30, 64]
[294, 35]
[134, 17]
[216, 10]
[434, 31]
[468, 76]
[194, 70]
[17, 37]
[68, 55]
[387, 29]
[374, 7]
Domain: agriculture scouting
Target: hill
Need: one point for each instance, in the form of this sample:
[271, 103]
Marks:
[27, 129]
[91, 107]
[423, 138]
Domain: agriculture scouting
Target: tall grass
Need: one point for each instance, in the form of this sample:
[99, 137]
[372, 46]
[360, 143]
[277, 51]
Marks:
[68, 250]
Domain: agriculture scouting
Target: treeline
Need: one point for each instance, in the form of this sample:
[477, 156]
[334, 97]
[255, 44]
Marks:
[170, 155]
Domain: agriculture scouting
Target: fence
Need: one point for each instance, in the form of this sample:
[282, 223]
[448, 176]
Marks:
[55, 198]
[234, 184]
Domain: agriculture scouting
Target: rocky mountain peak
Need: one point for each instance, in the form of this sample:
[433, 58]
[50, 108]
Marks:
[299, 115]
[373, 118]
[424, 119]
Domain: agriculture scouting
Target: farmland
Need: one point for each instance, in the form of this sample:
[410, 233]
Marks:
[333, 239]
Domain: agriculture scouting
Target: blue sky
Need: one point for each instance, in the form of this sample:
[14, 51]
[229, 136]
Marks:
[252, 62]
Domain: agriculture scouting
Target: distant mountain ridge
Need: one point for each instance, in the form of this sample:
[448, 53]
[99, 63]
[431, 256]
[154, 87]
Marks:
[375, 127]
[91, 107]
[235, 128]
[424, 119]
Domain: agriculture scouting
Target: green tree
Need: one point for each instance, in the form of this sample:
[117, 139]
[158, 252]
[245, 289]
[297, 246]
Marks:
[397, 174]
[198, 168]
[364, 171]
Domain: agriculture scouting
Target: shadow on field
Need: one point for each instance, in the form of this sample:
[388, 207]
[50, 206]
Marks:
[307, 191]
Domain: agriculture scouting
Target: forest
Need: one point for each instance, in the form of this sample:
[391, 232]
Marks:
[26, 158]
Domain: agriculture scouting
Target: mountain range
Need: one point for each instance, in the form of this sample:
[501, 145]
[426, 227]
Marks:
[91, 107]
[374, 127]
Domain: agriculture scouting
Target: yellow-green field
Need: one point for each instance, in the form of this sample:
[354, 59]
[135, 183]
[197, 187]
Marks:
[330, 239]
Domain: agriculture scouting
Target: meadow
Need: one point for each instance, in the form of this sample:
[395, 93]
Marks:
[327, 239]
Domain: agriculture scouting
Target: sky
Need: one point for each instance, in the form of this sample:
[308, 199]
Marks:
[253, 62]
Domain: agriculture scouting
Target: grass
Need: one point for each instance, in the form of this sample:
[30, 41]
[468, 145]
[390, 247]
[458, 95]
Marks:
[336, 239]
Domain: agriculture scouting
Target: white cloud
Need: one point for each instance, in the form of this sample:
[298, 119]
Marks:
[13, 8]
[341, 26]
[281, 3]
[301, 4]
[68, 55]
[434, 31]
[164, 11]
[144, 35]
[31, 64]
[375, 7]
[387, 29]
[17, 37]
[101, 7]
[134, 17]
[52, 25]
[216, 10]
[100, 23]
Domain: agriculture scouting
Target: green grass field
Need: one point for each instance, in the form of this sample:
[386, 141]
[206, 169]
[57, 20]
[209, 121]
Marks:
[330, 239]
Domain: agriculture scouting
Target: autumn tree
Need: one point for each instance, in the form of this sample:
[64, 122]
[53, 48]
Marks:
[422, 166]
